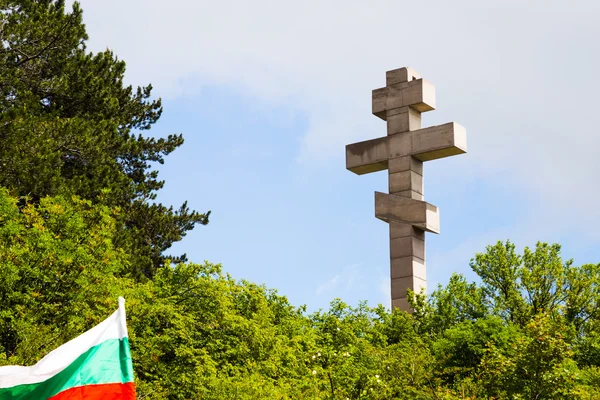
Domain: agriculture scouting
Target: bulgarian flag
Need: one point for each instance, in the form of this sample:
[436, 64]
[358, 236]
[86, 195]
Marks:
[95, 365]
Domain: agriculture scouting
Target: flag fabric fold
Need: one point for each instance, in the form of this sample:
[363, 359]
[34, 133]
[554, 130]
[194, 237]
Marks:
[94, 365]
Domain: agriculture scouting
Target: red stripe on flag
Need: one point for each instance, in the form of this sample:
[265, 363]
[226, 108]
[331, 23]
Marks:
[108, 391]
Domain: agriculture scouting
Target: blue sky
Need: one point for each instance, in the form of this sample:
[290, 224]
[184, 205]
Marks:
[267, 94]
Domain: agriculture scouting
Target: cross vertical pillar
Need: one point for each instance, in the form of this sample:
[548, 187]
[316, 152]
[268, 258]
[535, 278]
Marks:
[407, 243]
[402, 153]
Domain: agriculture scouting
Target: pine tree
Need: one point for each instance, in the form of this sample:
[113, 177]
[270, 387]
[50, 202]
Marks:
[69, 126]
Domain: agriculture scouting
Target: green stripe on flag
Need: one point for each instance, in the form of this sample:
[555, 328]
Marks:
[108, 362]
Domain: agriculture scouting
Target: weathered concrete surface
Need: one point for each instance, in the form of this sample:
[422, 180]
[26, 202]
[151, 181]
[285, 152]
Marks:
[400, 164]
[400, 75]
[398, 230]
[429, 143]
[368, 156]
[405, 180]
[424, 144]
[418, 94]
[407, 266]
[402, 120]
[403, 151]
[422, 215]
[401, 285]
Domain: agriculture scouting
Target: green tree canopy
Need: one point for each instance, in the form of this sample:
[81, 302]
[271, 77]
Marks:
[78, 228]
[197, 333]
[69, 125]
[528, 329]
[58, 273]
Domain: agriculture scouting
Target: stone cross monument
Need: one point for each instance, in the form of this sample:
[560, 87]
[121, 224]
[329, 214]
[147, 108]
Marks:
[402, 152]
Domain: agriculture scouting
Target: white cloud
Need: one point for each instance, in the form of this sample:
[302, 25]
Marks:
[384, 287]
[354, 283]
[342, 281]
[328, 286]
[520, 76]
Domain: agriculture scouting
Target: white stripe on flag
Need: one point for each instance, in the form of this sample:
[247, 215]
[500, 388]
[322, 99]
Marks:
[114, 327]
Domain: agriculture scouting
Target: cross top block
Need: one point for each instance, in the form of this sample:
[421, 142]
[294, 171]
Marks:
[402, 152]
[404, 88]
[404, 74]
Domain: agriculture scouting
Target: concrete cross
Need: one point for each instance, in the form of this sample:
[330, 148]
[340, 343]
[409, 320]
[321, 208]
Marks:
[402, 152]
